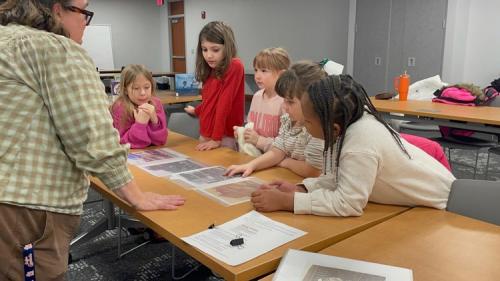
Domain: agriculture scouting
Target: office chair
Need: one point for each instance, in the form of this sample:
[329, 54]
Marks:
[478, 199]
[183, 123]
[416, 126]
[492, 150]
[472, 143]
[448, 144]
[465, 143]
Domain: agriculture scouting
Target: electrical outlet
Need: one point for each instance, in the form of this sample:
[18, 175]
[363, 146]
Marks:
[378, 60]
[411, 61]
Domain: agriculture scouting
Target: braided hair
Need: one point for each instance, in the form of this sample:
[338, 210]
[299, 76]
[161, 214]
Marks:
[338, 99]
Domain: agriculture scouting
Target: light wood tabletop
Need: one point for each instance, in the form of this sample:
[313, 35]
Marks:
[437, 245]
[199, 212]
[119, 71]
[169, 97]
[476, 114]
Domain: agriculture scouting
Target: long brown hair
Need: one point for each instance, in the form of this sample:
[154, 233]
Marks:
[128, 76]
[33, 13]
[219, 33]
[294, 82]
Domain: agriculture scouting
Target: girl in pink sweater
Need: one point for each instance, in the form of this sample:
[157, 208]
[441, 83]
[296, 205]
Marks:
[138, 114]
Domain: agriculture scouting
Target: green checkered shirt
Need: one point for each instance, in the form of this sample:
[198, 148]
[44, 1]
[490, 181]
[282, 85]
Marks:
[55, 126]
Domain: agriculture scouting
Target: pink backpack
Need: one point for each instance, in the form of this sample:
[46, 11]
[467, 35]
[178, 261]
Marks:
[459, 96]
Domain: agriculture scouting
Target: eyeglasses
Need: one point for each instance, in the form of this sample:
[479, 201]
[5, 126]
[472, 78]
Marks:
[88, 14]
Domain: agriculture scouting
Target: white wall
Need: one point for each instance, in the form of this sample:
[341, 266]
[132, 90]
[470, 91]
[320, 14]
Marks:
[139, 31]
[472, 43]
[308, 29]
[311, 29]
[482, 60]
[457, 21]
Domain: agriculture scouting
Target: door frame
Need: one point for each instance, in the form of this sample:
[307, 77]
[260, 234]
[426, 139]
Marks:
[170, 35]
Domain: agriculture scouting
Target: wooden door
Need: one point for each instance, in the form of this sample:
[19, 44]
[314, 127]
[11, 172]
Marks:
[178, 39]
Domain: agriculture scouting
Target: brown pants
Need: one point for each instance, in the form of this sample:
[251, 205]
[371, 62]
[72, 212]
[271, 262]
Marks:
[50, 234]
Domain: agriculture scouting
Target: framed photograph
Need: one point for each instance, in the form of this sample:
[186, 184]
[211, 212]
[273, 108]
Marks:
[233, 192]
[186, 85]
[147, 157]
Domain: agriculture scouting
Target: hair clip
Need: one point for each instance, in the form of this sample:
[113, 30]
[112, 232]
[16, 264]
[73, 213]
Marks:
[323, 62]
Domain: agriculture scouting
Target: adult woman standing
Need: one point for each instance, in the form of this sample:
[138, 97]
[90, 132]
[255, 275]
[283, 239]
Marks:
[56, 130]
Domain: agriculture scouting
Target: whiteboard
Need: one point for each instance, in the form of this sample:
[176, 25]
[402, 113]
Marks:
[97, 42]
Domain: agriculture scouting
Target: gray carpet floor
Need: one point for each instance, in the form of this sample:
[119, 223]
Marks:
[97, 259]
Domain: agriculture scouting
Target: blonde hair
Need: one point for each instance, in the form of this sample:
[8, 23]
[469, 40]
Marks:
[220, 33]
[128, 76]
[294, 82]
[275, 59]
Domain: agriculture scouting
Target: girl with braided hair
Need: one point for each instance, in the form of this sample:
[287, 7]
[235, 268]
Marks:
[370, 161]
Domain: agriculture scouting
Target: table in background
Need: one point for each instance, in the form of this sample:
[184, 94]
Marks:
[112, 73]
[435, 244]
[199, 212]
[169, 97]
[477, 118]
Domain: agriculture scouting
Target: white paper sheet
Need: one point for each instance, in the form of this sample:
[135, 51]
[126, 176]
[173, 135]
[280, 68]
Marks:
[260, 234]
[306, 266]
[333, 68]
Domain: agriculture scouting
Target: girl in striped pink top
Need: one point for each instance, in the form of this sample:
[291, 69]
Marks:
[266, 108]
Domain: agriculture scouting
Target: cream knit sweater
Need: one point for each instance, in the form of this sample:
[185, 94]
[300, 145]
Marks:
[374, 168]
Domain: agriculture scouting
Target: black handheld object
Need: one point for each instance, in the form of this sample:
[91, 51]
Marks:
[237, 242]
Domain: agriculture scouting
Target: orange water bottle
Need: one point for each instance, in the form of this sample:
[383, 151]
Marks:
[402, 85]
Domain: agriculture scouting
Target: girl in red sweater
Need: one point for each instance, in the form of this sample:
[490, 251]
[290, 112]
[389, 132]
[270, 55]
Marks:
[223, 96]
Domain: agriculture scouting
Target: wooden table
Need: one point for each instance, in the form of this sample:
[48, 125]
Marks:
[199, 212]
[119, 71]
[169, 97]
[112, 74]
[478, 118]
[436, 245]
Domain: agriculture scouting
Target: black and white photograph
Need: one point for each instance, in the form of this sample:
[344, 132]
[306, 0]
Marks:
[323, 273]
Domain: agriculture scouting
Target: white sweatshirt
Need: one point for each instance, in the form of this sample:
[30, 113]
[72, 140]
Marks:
[373, 168]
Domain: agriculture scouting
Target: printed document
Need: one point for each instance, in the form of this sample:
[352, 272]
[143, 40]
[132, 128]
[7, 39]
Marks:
[260, 235]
